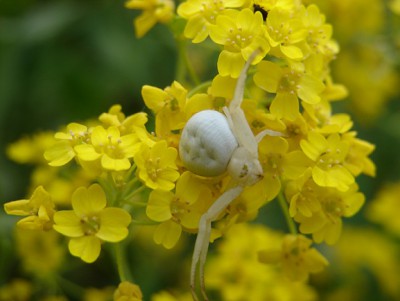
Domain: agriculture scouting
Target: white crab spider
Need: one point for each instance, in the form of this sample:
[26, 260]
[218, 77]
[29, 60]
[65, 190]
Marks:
[212, 144]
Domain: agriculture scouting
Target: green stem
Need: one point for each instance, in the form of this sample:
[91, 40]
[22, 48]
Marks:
[199, 87]
[144, 223]
[122, 265]
[135, 192]
[184, 64]
[71, 288]
[285, 209]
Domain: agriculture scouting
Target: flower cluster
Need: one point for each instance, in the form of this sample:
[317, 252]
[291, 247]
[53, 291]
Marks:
[132, 174]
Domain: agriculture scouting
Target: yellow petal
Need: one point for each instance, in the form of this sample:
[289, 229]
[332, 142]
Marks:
[115, 164]
[59, 154]
[86, 247]
[230, 63]
[268, 76]
[167, 234]
[158, 208]
[86, 152]
[68, 223]
[113, 224]
[19, 207]
[144, 23]
[285, 105]
[88, 201]
[314, 146]
[291, 52]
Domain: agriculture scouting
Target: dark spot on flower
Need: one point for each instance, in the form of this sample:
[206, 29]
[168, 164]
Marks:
[264, 13]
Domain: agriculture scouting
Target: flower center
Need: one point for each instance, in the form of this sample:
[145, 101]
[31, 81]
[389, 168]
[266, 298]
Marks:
[90, 225]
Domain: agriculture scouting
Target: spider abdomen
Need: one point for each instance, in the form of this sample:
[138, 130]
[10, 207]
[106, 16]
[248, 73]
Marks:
[207, 143]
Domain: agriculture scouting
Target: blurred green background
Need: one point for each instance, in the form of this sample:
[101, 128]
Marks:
[64, 61]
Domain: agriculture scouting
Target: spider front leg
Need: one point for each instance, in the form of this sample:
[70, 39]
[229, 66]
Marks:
[203, 237]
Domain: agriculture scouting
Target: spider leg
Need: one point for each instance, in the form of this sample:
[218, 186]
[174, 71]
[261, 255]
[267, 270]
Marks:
[203, 237]
[264, 133]
[241, 82]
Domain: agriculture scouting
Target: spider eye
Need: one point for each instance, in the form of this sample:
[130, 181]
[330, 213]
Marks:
[264, 13]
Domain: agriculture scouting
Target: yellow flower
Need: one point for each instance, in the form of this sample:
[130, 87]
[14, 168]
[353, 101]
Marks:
[90, 223]
[318, 32]
[127, 291]
[30, 149]
[201, 14]
[156, 166]
[126, 125]
[364, 249]
[297, 257]
[41, 253]
[395, 6]
[279, 163]
[168, 105]
[113, 150]
[320, 118]
[357, 160]
[326, 223]
[385, 207]
[284, 30]
[178, 210]
[39, 210]
[238, 275]
[16, 290]
[241, 34]
[154, 11]
[63, 152]
[302, 195]
[329, 155]
[289, 85]
[99, 294]
[167, 296]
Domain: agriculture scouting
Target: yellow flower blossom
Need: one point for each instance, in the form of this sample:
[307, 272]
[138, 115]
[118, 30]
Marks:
[17, 290]
[395, 6]
[201, 14]
[238, 275]
[326, 224]
[154, 11]
[329, 155]
[128, 291]
[29, 150]
[289, 85]
[278, 162]
[41, 253]
[178, 210]
[96, 294]
[259, 119]
[367, 65]
[267, 5]
[39, 210]
[355, 254]
[168, 105]
[284, 31]
[107, 145]
[63, 152]
[156, 166]
[384, 208]
[241, 34]
[302, 195]
[319, 33]
[91, 222]
[296, 256]
[126, 125]
[167, 296]
[357, 160]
